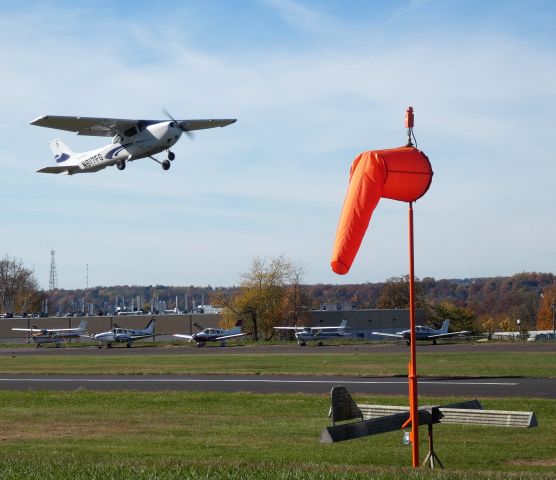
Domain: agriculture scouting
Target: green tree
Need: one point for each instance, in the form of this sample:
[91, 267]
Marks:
[461, 318]
[395, 293]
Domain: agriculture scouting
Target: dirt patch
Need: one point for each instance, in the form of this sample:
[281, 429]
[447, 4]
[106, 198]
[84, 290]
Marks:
[537, 462]
[50, 430]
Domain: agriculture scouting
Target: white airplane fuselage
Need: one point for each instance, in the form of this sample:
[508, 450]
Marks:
[307, 335]
[152, 139]
[55, 337]
[213, 334]
[124, 335]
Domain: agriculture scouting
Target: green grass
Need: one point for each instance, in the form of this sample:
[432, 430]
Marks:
[167, 435]
[487, 364]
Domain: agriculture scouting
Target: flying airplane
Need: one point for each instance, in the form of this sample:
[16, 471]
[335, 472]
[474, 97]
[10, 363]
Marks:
[123, 335]
[132, 140]
[317, 334]
[53, 335]
[425, 333]
[214, 335]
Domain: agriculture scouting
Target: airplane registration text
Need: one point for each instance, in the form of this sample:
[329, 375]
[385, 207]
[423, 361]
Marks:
[92, 161]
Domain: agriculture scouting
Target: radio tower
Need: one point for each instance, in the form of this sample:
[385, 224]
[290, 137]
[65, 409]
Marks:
[53, 282]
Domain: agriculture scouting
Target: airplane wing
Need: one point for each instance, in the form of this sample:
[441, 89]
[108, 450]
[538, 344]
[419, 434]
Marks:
[139, 337]
[451, 334]
[94, 126]
[393, 335]
[319, 329]
[297, 329]
[191, 125]
[235, 335]
[48, 330]
[58, 330]
[107, 127]
[183, 335]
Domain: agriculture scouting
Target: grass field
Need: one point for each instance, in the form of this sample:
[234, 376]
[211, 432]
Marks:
[486, 364]
[171, 435]
[178, 435]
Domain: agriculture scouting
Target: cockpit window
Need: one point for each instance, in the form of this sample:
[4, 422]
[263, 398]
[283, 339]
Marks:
[130, 132]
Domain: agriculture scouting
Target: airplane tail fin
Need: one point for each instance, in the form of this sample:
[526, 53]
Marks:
[83, 325]
[150, 327]
[444, 327]
[60, 150]
[344, 323]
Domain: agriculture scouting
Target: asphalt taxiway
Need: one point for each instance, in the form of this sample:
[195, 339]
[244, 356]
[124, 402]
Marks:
[474, 387]
[442, 386]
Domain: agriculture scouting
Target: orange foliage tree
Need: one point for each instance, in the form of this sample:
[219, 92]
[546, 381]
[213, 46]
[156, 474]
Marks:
[545, 312]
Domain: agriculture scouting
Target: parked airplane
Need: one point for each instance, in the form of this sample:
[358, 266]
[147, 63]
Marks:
[317, 334]
[425, 333]
[214, 335]
[132, 140]
[123, 335]
[53, 335]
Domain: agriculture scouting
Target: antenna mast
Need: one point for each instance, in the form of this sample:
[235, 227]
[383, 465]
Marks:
[53, 281]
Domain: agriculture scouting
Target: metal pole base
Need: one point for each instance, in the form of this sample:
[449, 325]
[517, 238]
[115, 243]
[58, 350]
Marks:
[431, 457]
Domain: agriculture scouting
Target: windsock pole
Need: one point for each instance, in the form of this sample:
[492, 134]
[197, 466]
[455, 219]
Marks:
[412, 373]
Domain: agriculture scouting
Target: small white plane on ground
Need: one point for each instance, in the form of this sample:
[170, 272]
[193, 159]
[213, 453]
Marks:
[132, 140]
[53, 335]
[425, 333]
[123, 335]
[214, 335]
[317, 334]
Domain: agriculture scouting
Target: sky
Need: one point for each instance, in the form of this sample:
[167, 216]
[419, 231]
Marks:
[312, 84]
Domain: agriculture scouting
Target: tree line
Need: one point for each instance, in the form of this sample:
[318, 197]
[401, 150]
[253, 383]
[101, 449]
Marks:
[272, 292]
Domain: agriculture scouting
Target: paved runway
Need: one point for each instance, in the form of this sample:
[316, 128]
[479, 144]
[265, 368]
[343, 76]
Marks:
[461, 387]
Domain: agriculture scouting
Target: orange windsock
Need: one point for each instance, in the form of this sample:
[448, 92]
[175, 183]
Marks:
[403, 174]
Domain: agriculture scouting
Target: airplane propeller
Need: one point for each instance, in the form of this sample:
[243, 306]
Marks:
[179, 124]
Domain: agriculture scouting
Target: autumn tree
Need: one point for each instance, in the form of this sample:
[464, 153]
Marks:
[545, 314]
[494, 322]
[19, 289]
[269, 294]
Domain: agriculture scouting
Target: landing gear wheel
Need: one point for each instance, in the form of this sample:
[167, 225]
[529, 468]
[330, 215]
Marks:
[120, 165]
[128, 344]
[166, 165]
[171, 155]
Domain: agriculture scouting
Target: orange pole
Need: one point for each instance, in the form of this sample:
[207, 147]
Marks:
[412, 374]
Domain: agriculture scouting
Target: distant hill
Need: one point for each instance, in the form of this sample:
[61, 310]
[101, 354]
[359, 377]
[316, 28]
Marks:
[518, 294]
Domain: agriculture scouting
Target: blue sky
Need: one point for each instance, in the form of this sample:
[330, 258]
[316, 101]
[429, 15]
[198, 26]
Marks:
[312, 84]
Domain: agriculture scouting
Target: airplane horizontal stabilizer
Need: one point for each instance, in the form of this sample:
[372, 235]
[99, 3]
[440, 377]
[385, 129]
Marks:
[62, 170]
